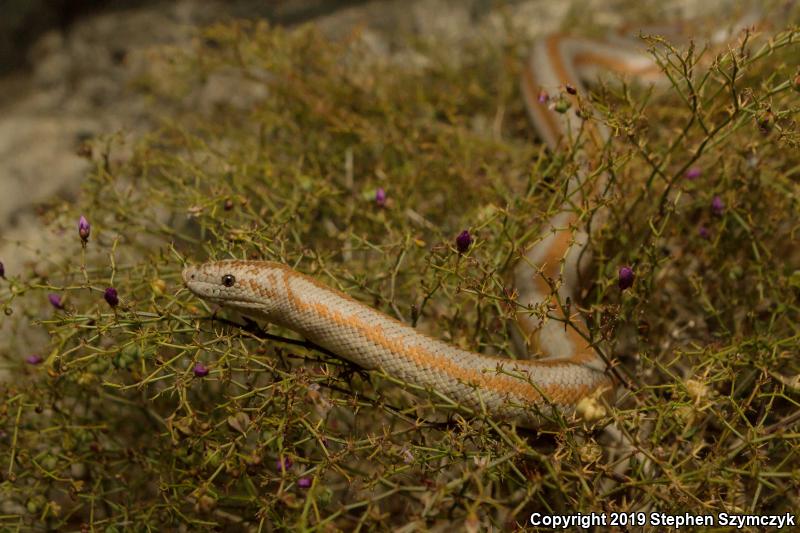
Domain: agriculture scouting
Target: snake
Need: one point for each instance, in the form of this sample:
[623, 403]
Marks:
[568, 377]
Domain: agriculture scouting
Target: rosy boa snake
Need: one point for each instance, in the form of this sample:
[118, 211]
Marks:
[570, 378]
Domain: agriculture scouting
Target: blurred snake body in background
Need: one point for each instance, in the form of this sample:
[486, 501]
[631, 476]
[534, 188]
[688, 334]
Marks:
[571, 376]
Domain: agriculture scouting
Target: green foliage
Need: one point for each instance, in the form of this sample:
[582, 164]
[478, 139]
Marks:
[116, 429]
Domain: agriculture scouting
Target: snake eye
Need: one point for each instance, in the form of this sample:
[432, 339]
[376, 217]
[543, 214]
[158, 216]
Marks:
[228, 280]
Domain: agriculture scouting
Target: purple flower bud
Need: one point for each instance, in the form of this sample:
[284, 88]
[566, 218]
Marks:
[111, 296]
[717, 206]
[380, 197]
[2, 270]
[34, 359]
[55, 300]
[692, 173]
[304, 482]
[283, 464]
[704, 232]
[463, 241]
[200, 370]
[625, 277]
[84, 229]
[543, 97]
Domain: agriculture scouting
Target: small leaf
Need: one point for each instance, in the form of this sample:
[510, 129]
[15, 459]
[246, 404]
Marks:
[240, 422]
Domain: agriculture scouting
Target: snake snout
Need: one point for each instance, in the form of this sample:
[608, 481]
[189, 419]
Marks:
[192, 278]
[189, 273]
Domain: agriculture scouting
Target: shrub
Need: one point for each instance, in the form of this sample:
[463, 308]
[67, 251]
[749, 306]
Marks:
[158, 410]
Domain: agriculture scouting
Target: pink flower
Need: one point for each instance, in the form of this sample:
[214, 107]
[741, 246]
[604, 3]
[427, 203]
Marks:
[380, 197]
[111, 296]
[84, 229]
[625, 278]
[717, 206]
[55, 300]
[200, 370]
[463, 241]
[692, 173]
[543, 97]
[283, 464]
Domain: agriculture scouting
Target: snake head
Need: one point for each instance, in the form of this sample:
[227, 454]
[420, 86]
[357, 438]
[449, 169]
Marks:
[228, 283]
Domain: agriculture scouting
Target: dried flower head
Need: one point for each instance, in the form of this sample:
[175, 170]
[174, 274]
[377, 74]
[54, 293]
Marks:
[463, 241]
[765, 122]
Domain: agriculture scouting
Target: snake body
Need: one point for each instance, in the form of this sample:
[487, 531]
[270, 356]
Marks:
[523, 391]
[505, 388]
